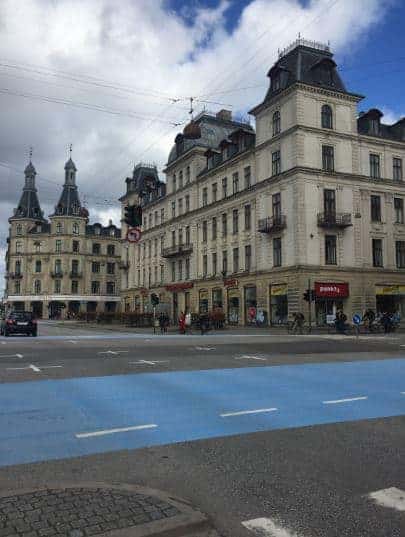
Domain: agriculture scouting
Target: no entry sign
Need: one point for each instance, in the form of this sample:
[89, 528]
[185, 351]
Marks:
[134, 234]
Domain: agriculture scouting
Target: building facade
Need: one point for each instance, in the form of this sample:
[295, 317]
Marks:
[248, 220]
[61, 266]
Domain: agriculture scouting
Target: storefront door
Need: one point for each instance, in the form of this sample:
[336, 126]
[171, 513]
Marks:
[175, 308]
[250, 305]
[233, 306]
[278, 304]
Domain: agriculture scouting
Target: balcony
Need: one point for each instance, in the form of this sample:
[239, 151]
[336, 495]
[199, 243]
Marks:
[123, 265]
[272, 224]
[177, 250]
[334, 220]
[75, 274]
[15, 275]
[56, 274]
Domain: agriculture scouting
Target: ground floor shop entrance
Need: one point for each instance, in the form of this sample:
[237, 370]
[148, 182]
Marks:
[278, 304]
[37, 309]
[330, 297]
[390, 299]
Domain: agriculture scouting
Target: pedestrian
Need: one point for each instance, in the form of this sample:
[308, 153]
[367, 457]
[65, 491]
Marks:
[340, 322]
[162, 322]
[204, 322]
[188, 321]
[368, 319]
[182, 323]
[386, 322]
[298, 322]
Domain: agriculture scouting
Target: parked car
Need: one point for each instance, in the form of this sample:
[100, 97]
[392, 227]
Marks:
[20, 322]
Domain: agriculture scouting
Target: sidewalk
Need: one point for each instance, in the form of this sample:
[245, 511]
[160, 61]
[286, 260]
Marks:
[88, 509]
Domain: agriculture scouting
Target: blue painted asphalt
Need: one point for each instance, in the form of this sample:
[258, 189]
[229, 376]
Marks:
[39, 420]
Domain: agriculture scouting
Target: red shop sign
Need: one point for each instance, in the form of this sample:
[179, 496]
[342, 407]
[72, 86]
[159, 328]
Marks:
[331, 290]
[179, 286]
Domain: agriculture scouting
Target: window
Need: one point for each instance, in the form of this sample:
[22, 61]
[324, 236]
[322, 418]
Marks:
[37, 247]
[181, 179]
[214, 263]
[75, 287]
[75, 228]
[155, 247]
[110, 288]
[75, 247]
[95, 267]
[377, 253]
[275, 163]
[248, 217]
[150, 220]
[214, 192]
[277, 252]
[205, 196]
[375, 208]
[329, 204]
[188, 175]
[149, 248]
[204, 231]
[174, 182]
[37, 287]
[224, 187]
[180, 236]
[18, 268]
[181, 206]
[173, 238]
[276, 123]
[214, 228]
[57, 286]
[235, 221]
[162, 215]
[173, 271]
[375, 166]
[75, 267]
[397, 169]
[248, 257]
[17, 288]
[96, 248]
[224, 225]
[59, 227]
[248, 177]
[38, 266]
[400, 253]
[110, 268]
[95, 287]
[205, 265]
[180, 270]
[235, 257]
[19, 229]
[162, 273]
[187, 268]
[374, 126]
[18, 247]
[328, 158]
[187, 203]
[235, 183]
[188, 237]
[155, 274]
[224, 261]
[173, 209]
[330, 250]
[162, 243]
[326, 117]
[156, 218]
[276, 205]
[110, 249]
[399, 210]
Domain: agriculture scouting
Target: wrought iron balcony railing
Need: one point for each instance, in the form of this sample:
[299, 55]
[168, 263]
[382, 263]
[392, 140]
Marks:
[177, 250]
[272, 224]
[334, 220]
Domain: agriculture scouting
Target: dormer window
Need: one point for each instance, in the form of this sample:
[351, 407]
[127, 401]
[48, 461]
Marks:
[59, 227]
[326, 117]
[374, 126]
[97, 230]
[275, 82]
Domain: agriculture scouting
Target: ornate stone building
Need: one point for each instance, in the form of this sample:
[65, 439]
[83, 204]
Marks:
[247, 220]
[63, 265]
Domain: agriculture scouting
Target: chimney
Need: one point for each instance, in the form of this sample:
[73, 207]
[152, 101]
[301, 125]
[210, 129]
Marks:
[224, 115]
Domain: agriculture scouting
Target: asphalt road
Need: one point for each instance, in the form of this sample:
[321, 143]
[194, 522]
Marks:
[298, 430]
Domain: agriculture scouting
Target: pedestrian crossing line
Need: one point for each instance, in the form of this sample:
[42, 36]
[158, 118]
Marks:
[266, 527]
[392, 498]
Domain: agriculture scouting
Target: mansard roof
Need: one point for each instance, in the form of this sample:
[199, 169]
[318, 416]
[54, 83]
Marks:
[369, 123]
[28, 206]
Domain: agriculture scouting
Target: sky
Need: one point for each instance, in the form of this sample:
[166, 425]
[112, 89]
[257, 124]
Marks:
[114, 78]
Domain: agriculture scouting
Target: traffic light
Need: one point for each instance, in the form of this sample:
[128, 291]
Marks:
[313, 295]
[154, 299]
[306, 295]
[133, 215]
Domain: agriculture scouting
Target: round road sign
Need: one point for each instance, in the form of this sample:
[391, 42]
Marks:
[134, 234]
[356, 318]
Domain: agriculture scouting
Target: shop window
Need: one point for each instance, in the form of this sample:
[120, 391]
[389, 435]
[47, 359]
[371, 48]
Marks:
[276, 123]
[235, 183]
[399, 210]
[224, 225]
[375, 202]
[278, 304]
[377, 245]
[214, 228]
[235, 221]
[214, 192]
[236, 260]
[277, 254]
[248, 257]
[248, 217]
[328, 158]
[217, 298]
[375, 166]
[275, 163]
[214, 263]
[326, 117]
[330, 250]
[400, 254]
[397, 169]
[248, 176]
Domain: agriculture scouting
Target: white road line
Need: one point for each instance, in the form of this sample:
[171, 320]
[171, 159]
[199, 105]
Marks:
[149, 362]
[265, 527]
[11, 355]
[111, 352]
[113, 431]
[204, 348]
[250, 357]
[243, 412]
[392, 497]
[33, 368]
[337, 401]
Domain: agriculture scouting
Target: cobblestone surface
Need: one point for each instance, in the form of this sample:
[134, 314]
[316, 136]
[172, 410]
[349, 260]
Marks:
[78, 512]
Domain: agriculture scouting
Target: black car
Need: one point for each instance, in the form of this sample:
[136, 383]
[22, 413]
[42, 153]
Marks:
[21, 322]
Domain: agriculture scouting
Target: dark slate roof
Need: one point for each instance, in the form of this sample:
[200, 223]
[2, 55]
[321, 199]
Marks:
[28, 206]
[146, 183]
[69, 203]
[70, 165]
[45, 228]
[104, 231]
[213, 130]
[369, 123]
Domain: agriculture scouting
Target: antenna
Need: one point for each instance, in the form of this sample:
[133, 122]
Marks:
[191, 107]
[70, 150]
[30, 153]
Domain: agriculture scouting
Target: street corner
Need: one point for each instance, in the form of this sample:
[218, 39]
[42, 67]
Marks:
[102, 509]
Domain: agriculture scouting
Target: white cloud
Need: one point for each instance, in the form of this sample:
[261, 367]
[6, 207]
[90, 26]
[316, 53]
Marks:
[390, 116]
[143, 46]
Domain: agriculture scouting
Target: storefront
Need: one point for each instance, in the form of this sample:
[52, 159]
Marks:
[233, 300]
[217, 298]
[278, 304]
[329, 298]
[250, 304]
[203, 301]
[390, 299]
[178, 300]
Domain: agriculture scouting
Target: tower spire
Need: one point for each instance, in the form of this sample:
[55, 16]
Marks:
[29, 206]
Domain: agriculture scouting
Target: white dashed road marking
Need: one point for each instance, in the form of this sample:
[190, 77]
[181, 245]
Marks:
[113, 431]
[11, 355]
[337, 401]
[205, 348]
[33, 368]
[265, 527]
[250, 357]
[243, 412]
[392, 497]
[149, 362]
[111, 352]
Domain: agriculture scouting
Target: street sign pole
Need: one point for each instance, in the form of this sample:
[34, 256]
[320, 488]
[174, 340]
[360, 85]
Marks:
[309, 306]
[154, 319]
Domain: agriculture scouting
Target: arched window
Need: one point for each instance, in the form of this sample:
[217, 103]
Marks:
[37, 287]
[327, 118]
[276, 122]
[19, 229]
[75, 228]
